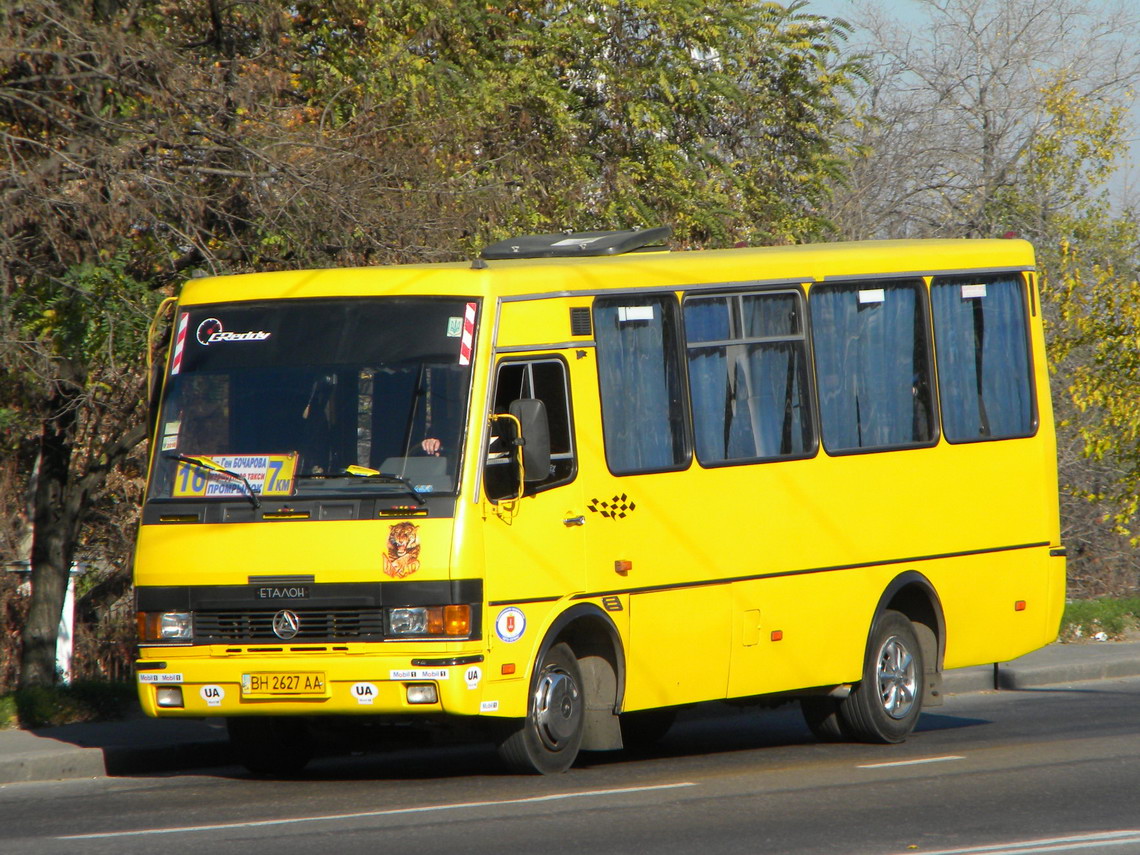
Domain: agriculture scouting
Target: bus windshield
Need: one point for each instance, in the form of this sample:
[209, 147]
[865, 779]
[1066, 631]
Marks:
[299, 397]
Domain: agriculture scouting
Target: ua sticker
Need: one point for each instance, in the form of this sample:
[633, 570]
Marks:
[365, 693]
[510, 624]
[473, 675]
[212, 695]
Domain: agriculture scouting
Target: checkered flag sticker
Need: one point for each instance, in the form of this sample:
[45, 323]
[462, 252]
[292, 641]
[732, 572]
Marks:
[617, 508]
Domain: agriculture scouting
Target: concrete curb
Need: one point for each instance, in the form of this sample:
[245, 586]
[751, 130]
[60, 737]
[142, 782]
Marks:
[1053, 665]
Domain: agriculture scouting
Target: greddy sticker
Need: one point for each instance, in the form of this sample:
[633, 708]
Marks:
[510, 624]
[211, 331]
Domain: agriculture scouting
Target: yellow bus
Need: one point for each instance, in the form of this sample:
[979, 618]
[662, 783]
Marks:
[582, 481]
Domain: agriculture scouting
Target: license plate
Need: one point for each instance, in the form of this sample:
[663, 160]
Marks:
[289, 683]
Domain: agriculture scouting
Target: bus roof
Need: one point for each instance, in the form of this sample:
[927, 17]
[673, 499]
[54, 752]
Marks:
[507, 278]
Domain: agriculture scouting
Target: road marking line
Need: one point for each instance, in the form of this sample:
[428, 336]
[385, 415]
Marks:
[375, 813]
[912, 762]
[1049, 844]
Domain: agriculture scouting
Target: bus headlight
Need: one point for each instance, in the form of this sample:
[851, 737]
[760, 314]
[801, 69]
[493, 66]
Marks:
[165, 626]
[430, 621]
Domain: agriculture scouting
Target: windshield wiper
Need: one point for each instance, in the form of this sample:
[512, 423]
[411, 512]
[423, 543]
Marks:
[385, 478]
[213, 466]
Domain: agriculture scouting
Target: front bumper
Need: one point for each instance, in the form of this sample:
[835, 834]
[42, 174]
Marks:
[347, 682]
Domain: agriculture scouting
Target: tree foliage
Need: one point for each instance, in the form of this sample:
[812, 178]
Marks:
[1009, 117]
[144, 140]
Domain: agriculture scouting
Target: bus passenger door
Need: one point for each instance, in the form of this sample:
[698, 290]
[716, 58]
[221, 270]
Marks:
[534, 543]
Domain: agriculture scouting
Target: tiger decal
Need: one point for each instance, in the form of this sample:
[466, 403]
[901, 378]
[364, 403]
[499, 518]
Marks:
[403, 556]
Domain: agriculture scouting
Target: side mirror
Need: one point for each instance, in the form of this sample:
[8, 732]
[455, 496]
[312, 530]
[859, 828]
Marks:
[535, 429]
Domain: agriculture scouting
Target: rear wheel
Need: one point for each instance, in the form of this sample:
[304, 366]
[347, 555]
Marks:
[270, 746]
[885, 705]
[823, 718]
[547, 740]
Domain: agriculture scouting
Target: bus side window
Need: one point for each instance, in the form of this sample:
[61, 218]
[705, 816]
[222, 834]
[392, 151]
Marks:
[546, 380]
[872, 361]
[641, 377]
[748, 377]
[984, 370]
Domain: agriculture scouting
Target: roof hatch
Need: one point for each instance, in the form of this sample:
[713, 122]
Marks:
[579, 244]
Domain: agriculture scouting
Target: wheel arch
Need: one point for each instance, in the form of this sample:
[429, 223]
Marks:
[596, 643]
[914, 596]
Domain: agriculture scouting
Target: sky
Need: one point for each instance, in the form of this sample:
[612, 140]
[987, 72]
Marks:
[1125, 184]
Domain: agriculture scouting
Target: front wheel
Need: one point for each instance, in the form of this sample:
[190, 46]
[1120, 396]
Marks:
[547, 740]
[885, 705]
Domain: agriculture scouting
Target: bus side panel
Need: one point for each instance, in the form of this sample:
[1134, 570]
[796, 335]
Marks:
[998, 606]
[681, 646]
[796, 632]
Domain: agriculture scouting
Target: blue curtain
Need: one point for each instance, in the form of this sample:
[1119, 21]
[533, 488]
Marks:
[747, 396]
[638, 363]
[983, 358]
[870, 365]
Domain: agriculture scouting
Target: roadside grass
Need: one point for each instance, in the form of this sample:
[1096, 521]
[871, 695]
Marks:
[50, 706]
[1115, 617]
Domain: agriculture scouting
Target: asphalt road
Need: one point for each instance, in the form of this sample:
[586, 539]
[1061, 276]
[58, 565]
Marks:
[1050, 770]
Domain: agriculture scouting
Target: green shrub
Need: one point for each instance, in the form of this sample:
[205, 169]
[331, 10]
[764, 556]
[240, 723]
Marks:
[1087, 618]
[50, 706]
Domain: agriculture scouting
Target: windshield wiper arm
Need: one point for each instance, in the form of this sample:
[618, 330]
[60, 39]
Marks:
[386, 478]
[213, 466]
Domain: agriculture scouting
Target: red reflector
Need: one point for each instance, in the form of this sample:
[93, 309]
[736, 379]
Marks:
[1019, 606]
[622, 567]
[509, 668]
[777, 635]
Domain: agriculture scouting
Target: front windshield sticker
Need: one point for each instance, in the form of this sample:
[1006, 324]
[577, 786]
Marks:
[403, 556]
[170, 433]
[468, 335]
[179, 342]
[222, 474]
[211, 331]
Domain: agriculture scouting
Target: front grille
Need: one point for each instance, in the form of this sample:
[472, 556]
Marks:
[315, 625]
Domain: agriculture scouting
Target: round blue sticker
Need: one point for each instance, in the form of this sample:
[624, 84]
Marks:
[510, 624]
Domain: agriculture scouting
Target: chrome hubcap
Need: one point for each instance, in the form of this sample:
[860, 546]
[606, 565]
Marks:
[557, 708]
[897, 678]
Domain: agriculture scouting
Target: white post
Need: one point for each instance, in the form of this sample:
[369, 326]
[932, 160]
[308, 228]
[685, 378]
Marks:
[65, 642]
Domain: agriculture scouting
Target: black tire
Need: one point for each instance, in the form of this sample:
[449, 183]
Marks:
[643, 729]
[823, 718]
[548, 739]
[270, 746]
[886, 704]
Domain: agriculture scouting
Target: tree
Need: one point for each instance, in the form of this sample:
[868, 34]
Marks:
[147, 141]
[954, 105]
[718, 118]
[1009, 117]
[111, 188]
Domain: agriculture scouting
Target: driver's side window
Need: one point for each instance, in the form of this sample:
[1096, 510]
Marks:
[544, 379]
